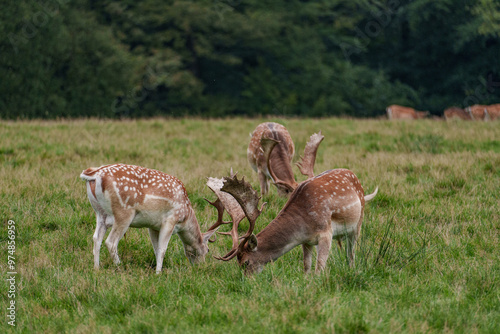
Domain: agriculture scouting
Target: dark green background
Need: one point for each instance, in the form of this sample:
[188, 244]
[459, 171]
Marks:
[83, 58]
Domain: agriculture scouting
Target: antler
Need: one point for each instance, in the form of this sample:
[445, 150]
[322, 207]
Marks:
[248, 199]
[226, 202]
[220, 213]
[268, 145]
[306, 163]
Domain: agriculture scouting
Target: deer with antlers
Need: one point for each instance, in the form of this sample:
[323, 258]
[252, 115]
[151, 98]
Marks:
[322, 208]
[124, 196]
[270, 154]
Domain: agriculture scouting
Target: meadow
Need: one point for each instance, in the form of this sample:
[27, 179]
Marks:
[427, 260]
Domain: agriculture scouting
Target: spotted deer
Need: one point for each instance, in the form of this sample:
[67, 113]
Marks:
[478, 112]
[124, 196]
[281, 158]
[270, 154]
[453, 113]
[493, 111]
[325, 207]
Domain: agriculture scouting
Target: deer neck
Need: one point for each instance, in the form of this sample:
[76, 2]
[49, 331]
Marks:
[281, 235]
[189, 231]
[280, 162]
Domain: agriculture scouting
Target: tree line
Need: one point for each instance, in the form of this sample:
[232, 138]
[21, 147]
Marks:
[213, 58]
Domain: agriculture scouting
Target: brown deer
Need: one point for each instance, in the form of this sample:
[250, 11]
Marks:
[270, 153]
[493, 111]
[456, 113]
[124, 196]
[399, 112]
[478, 112]
[328, 206]
[281, 157]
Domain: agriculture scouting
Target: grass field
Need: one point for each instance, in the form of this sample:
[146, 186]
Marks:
[427, 261]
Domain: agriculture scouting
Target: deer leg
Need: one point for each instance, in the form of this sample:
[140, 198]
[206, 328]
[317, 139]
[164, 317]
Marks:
[120, 226]
[350, 244]
[308, 250]
[166, 231]
[153, 236]
[324, 245]
[100, 231]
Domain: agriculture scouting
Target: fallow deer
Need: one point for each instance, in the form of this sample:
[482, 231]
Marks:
[269, 155]
[456, 113]
[281, 157]
[124, 196]
[325, 207]
[493, 111]
[399, 112]
[478, 112]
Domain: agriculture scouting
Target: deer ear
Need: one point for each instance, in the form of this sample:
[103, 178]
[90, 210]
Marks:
[252, 243]
[206, 236]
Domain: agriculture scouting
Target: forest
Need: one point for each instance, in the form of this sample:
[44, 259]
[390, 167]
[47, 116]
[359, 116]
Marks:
[216, 58]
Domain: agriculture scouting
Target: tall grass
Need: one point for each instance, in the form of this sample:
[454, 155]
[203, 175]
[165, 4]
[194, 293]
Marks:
[427, 259]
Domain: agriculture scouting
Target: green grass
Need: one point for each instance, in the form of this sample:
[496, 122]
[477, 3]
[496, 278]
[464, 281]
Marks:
[427, 261]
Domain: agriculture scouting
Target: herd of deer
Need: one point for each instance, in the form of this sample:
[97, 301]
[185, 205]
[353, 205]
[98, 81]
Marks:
[322, 208]
[476, 112]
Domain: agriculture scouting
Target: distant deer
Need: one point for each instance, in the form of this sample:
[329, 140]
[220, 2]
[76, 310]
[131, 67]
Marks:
[274, 163]
[328, 206]
[399, 112]
[456, 113]
[124, 196]
[478, 112]
[493, 111]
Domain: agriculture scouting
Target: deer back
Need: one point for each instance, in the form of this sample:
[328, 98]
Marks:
[125, 187]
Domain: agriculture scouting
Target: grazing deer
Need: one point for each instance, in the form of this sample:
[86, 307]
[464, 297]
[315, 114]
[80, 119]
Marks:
[493, 111]
[281, 157]
[124, 196]
[269, 155]
[328, 206]
[399, 112]
[456, 113]
[478, 112]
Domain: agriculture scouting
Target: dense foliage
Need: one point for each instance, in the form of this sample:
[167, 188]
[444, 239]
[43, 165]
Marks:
[109, 58]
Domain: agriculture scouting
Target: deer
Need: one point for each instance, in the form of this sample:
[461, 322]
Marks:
[124, 196]
[478, 112]
[275, 164]
[325, 207]
[456, 113]
[493, 111]
[399, 112]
